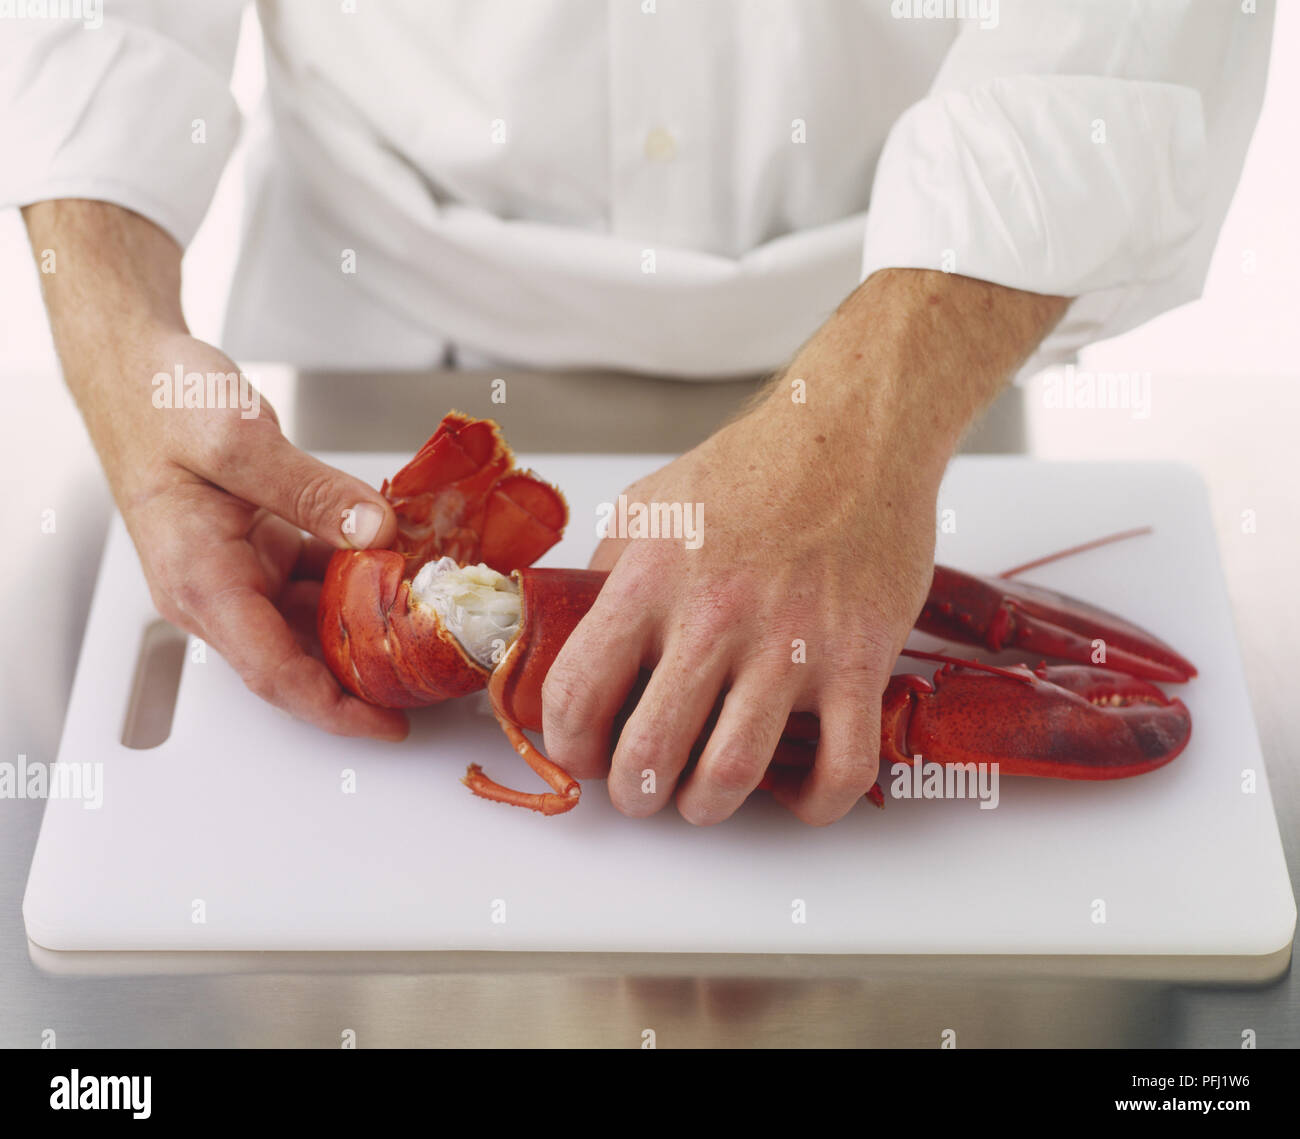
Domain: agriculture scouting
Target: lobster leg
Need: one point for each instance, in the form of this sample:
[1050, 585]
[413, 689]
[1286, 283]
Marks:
[566, 791]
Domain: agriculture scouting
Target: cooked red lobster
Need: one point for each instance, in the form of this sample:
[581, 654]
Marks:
[454, 607]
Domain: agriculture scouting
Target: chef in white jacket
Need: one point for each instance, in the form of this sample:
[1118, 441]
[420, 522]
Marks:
[893, 209]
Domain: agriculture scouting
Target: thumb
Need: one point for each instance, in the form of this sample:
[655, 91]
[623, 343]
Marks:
[326, 502]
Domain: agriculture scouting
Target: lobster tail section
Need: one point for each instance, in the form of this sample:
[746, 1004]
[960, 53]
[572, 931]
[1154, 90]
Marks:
[381, 643]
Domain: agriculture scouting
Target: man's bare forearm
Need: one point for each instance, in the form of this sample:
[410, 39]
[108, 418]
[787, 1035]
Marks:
[216, 503]
[914, 356]
[822, 500]
[113, 295]
[115, 274]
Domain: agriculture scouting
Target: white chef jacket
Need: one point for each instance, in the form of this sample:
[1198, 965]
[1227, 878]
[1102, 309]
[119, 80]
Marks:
[667, 186]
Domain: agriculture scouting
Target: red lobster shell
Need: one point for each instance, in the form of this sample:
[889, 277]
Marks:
[460, 497]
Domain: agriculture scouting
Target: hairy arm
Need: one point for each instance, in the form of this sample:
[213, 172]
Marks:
[215, 500]
[819, 507]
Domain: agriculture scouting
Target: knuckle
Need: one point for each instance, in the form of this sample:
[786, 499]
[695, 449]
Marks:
[568, 696]
[220, 443]
[715, 605]
[870, 643]
[639, 749]
[637, 579]
[262, 685]
[269, 680]
[740, 759]
[849, 775]
[736, 769]
[691, 653]
[711, 616]
[854, 665]
[173, 587]
[164, 604]
[771, 650]
[323, 701]
[313, 498]
[186, 594]
[175, 617]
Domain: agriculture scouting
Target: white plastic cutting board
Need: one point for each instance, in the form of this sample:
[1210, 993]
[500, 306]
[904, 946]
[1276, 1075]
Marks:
[243, 808]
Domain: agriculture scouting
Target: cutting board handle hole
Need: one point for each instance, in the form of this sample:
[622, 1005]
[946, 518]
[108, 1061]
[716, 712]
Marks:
[157, 679]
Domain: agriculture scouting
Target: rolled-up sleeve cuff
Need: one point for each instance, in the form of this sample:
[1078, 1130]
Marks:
[1064, 185]
[121, 114]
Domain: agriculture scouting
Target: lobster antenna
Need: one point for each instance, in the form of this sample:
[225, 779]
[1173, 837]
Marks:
[1022, 674]
[1083, 549]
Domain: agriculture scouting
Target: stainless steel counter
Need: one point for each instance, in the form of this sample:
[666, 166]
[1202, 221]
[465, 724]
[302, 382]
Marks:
[1238, 434]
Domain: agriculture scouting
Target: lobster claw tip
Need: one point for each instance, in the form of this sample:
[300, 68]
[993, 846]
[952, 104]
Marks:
[1002, 614]
[1058, 721]
[1084, 634]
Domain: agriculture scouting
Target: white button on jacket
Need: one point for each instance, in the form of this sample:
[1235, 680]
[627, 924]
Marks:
[671, 186]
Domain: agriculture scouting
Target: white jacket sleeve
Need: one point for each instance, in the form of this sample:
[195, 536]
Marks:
[136, 111]
[1080, 149]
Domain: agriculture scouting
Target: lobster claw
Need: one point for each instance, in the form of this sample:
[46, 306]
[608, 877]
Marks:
[1059, 721]
[1000, 614]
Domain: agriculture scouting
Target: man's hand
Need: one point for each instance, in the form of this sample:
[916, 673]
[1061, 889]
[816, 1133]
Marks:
[215, 501]
[817, 553]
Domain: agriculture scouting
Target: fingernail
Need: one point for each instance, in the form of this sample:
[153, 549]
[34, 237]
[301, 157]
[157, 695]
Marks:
[361, 525]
